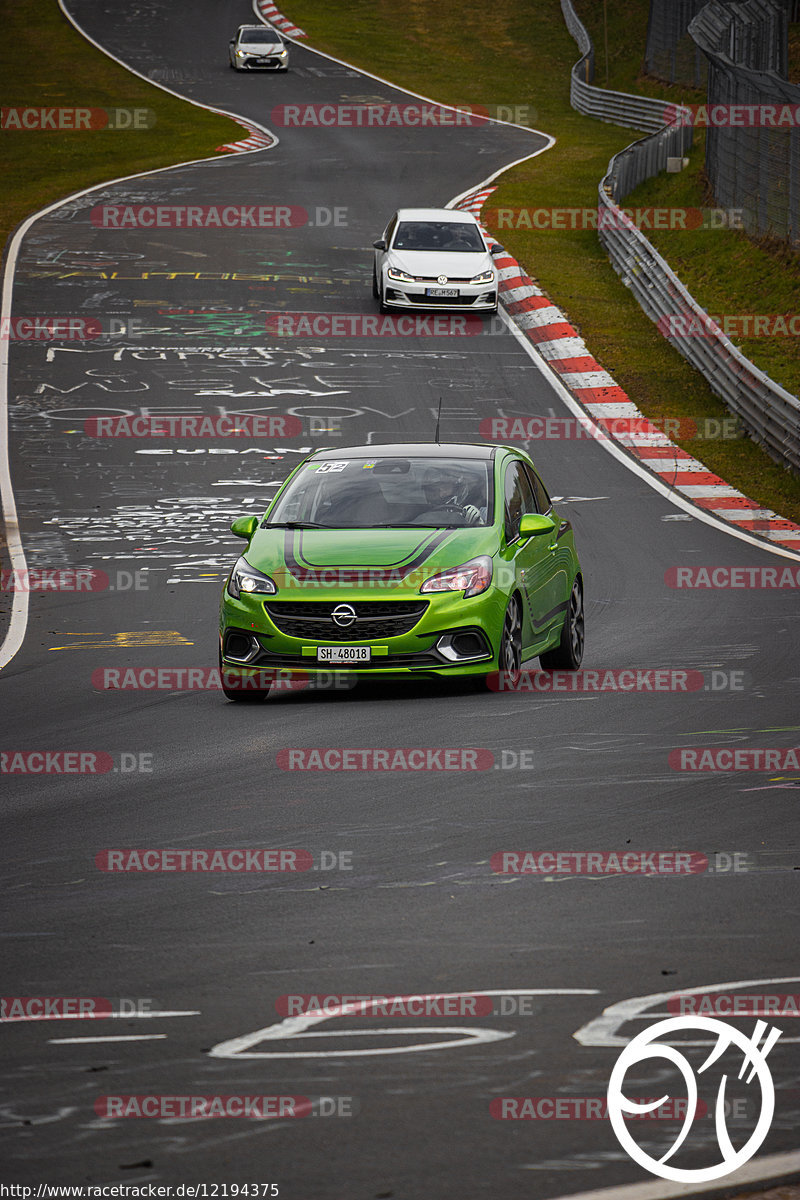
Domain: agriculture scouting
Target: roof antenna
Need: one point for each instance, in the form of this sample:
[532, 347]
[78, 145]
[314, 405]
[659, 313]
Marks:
[438, 419]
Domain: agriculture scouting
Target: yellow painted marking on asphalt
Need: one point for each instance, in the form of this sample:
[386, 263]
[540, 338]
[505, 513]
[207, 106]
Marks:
[122, 641]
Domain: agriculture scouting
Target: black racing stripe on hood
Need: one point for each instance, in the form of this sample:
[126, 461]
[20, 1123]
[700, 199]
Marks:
[298, 568]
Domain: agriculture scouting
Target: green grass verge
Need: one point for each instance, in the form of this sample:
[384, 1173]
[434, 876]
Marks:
[520, 56]
[40, 166]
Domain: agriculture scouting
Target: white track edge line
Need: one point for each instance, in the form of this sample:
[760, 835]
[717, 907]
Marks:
[758, 1170]
[12, 642]
[633, 464]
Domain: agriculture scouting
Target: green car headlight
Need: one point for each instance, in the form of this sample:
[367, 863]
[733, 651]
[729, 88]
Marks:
[471, 578]
[245, 578]
[484, 277]
[399, 276]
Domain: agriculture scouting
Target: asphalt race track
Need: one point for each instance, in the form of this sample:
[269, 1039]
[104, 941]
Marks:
[402, 899]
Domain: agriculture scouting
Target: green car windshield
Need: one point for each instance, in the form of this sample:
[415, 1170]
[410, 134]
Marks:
[372, 493]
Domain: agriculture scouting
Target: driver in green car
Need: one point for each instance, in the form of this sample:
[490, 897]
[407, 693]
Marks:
[449, 488]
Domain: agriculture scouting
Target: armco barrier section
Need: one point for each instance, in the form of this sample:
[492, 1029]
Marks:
[770, 414]
[753, 166]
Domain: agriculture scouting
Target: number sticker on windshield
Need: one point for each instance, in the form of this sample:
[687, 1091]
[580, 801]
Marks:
[327, 466]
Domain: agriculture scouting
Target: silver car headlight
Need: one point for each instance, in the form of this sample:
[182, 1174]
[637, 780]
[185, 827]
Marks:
[400, 276]
[484, 277]
[247, 579]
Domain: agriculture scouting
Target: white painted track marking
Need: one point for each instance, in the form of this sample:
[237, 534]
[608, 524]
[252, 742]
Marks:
[133, 1037]
[295, 1027]
[190, 1012]
[602, 1031]
[758, 1170]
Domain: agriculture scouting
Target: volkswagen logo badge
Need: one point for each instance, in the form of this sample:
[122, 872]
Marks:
[344, 615]
[441, 279]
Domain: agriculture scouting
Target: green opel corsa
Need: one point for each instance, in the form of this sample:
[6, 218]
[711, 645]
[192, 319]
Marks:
[401, 560]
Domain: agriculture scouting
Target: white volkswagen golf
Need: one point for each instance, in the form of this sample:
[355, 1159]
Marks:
[435, 258]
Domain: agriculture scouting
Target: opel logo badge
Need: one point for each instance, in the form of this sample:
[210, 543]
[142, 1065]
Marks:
[442, 279]
[344, 615]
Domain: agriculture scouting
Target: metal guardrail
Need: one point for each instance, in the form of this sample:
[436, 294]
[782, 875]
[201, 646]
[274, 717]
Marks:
[770, 414]
[751, 167]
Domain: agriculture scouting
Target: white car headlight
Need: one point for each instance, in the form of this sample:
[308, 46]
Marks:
[471, 578]
[484, 277]
[399, 276]
[241, 54]
[247, 579]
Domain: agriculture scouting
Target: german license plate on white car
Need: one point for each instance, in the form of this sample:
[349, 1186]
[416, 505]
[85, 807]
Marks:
[441, 291]
[343, 654]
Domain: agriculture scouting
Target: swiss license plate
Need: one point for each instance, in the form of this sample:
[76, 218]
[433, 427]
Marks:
[441, 291]
[343, 654]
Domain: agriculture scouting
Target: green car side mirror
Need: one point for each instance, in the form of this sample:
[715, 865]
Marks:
[244, 527]
[535, 525]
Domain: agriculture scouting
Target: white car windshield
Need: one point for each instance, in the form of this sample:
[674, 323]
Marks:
[252, 36]
[359, 493]
[449, 236]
